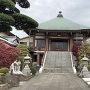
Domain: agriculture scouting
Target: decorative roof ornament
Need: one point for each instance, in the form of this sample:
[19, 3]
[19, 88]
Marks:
[60, 14]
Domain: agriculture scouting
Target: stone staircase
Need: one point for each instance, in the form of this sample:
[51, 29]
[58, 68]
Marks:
[58, 62]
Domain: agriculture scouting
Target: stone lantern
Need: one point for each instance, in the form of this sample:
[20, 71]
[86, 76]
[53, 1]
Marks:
[85, 60]
[85, 73]
[27, 59]
[26, 70]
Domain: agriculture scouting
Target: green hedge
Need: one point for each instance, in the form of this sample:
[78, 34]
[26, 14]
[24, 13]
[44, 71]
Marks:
[2, 74]
[33, 70]
[4, 70]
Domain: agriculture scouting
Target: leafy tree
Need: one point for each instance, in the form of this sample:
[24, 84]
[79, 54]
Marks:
[10, 16]
[23, 52]
[83, 50]
[8, 54]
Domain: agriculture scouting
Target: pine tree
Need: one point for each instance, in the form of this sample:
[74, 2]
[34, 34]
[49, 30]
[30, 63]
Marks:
[10, 16]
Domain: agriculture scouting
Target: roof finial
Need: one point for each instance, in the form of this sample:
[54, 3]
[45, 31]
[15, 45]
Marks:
[60, 14]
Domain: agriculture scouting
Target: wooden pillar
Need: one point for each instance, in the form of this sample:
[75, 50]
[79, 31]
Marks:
[68, 45]
[47, 43]
[84, 36]
[38, 58]
[71, 43]
[33, 42]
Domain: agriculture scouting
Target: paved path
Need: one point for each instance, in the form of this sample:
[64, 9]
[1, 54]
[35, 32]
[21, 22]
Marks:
[53, 81]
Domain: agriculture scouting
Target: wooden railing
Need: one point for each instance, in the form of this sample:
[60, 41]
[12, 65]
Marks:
[38, 48]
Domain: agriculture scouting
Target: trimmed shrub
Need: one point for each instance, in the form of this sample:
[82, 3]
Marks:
[4, 70]
[2, 74]
[23, 49]
[33, 70]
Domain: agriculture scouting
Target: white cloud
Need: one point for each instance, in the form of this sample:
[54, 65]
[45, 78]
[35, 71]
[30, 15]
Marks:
[72, 9]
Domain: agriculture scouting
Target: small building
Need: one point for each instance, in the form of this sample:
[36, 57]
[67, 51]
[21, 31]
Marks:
[58, 34]
[3, 34]
[27, 41]
[9, 37]
[13, 39]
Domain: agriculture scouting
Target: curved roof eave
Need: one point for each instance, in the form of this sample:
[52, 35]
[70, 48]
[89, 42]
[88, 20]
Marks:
[49, 30]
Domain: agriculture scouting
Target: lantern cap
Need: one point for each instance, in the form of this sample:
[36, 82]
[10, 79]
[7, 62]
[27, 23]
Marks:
[27, 57]
[85, 58]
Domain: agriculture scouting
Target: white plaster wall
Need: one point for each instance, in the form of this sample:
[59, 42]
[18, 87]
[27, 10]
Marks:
[40, 37]
[3, 34]
[26, 40]
[78, 38]
[40, 34]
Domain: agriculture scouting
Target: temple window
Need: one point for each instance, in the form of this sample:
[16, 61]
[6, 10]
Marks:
[40, 43]
[31, 44]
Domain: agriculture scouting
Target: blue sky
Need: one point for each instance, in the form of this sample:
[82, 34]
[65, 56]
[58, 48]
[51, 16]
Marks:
[42, 10]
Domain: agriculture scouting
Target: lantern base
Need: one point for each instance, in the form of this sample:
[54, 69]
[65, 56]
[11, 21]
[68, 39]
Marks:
[85, 73]
[26, 71]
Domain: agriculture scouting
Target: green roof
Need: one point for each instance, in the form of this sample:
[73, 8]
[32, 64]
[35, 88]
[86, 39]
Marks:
[60, 23]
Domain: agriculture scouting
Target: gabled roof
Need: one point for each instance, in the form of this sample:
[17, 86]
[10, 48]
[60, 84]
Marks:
[60, 23]
[10, 38]
[24, 37]
[8, 42]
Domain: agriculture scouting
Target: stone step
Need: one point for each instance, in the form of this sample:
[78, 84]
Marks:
[58, 59]
[57, 70]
